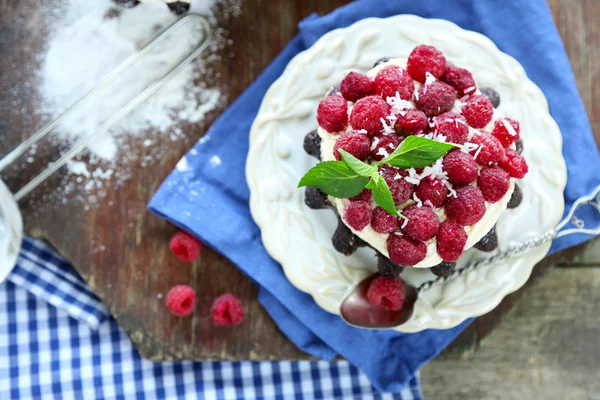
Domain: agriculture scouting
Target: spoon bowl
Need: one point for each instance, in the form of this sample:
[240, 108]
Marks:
[357, 311]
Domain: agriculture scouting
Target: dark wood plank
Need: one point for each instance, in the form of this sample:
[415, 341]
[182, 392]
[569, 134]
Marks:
[136, 267]
[546, 349]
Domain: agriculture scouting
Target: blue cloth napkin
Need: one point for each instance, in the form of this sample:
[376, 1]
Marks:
[212, 202]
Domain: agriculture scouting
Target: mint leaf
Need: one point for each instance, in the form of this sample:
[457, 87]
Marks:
[361, 168]
[416, 152]
[383, 196]
[334, 178]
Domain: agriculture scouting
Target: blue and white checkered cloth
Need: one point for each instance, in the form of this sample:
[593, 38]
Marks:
[57, 341]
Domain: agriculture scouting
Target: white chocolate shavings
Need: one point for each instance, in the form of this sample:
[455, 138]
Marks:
[429, 203]
[509, 127]
[417, 200]
[383, 152]
[388, 128]
[374, 143]
[398, 104]
[404, 223]
[429, 78]
[477, 152]
[434, 135]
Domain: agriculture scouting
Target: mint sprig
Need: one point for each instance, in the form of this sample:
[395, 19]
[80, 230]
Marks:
[416, 152]
[347, 178]
[335, 178]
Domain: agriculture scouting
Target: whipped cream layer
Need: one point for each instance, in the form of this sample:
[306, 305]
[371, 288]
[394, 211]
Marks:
[379, 240]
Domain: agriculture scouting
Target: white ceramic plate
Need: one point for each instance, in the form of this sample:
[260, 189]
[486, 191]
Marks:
[300, 238]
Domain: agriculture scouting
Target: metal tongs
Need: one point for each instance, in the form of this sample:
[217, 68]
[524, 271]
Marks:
[11, 224]
[140, 98]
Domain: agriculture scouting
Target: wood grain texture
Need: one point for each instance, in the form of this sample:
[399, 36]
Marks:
[547, 349]
[137, 267]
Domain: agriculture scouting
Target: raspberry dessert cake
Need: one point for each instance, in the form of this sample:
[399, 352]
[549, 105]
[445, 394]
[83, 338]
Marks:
[441, 153]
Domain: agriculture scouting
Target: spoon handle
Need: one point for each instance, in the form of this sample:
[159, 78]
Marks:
[593, 200]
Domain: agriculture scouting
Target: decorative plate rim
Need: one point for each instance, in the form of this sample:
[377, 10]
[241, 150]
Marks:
[507, 288]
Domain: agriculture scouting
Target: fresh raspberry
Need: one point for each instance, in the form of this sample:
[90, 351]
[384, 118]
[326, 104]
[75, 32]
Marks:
[387, 293]
[400, 188]
[425, 59]
[358, 215]
[356, 86]
[460, 79]
[451, 240]
[507, 131]
[460, 167]
[468, 207]
[391, 80]
[181, 300]
[433, 190]
[404, 251]
[411, 122]
[355, 143]
[435, 98]
[383, 146]
[491, 149]
[453, 126]
[332, 113]
[367, 114]
[383, 222]
[478, 111]
[493, 183]
[514, 164]
[422, 223]
[185, 247]
[365, 195]
[227, 310]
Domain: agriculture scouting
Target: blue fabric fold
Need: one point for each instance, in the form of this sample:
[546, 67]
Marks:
[210, 199]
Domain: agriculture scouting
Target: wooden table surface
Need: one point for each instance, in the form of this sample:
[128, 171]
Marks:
[122, 251]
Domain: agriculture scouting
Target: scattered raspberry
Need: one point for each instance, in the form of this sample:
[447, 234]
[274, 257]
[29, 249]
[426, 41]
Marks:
[384, 145]
[468, 207]
[367, 114]
[332, 113]
[435, 98]
[425, 59]
[433, 190]
[358, 215]
[355, 143]
[411, 122]
[451, 240]
[492, 96]
[443, 269]
[478, 111]
[493, 183]
[365, 195]
[181, 300]
[383, 222]
[460, 167]
[391, 80]
[185, 247]
[460, 79]
[227, 310]
[491, 149]
[355, 86]
[514, 164]
[489, 242]
[507, 131]
[387, 293]
[387, 268]
[400, 188]
[404, 251]
[422, 223]
[453, 126]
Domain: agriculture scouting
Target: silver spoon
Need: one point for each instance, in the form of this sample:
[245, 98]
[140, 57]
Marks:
[356, 310]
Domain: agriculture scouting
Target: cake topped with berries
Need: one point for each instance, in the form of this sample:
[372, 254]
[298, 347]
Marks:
[438, 147]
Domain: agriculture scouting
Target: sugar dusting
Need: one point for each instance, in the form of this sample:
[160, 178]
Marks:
[89, 39]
